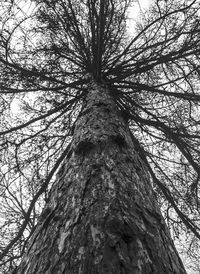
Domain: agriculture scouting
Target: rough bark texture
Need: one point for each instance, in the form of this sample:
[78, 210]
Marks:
[102, 216]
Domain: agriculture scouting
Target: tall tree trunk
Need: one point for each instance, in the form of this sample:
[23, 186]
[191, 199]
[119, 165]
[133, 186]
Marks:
[102, 216]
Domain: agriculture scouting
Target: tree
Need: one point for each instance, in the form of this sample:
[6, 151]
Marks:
[116, 117]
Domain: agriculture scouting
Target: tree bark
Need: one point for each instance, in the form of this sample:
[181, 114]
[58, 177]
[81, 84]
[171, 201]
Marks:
[102, 216]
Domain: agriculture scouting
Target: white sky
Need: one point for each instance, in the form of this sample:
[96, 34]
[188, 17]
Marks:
[142, 4]
[137, 9]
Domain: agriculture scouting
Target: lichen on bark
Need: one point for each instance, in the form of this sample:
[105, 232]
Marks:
[102, 213]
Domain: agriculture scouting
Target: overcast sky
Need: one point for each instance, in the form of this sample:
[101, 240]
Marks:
[139, 7]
